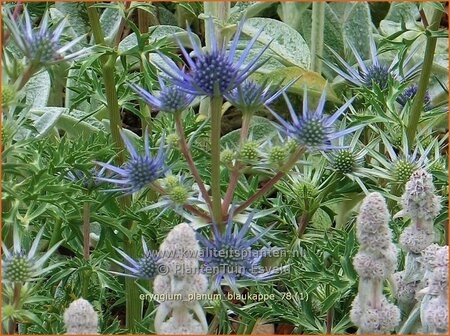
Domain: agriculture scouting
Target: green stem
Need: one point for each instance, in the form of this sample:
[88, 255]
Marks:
[216, 118]
[318, 22]
[86, 229]
[417, 105]
[228, 198]
[28, 73]
[15, 304]
[133, 303]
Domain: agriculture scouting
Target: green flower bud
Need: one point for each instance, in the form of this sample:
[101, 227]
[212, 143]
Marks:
[277, 155]
[178, 194]
[171, 181]
[291, 145]
[8, 95]
[403, 171]
[227, 156]
[344, 161]
[249, 151]
[16, 269]
[173, 140]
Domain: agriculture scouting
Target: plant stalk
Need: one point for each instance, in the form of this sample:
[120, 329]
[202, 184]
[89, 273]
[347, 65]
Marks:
[216, 118]
[190, 161]
[133, 303]
[228, 198]
[417, 105]
[318, 23]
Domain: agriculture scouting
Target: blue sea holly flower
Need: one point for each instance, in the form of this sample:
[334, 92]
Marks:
[409, 94]
[42, 46]
[214, 72]
[314, 130]
[171, 98]
[19, 266]
[140, 170]
[145, 268]
[230, 256]
[251, 96]
[375, 72]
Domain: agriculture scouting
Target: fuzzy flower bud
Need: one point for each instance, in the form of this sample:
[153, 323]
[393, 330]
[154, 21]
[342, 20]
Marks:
[373, 266]
[372, 223]
[380, 320]
[80, 318]
[416, 239]
[180, 250]
[435, 315]
[419, 200]
[405, 291]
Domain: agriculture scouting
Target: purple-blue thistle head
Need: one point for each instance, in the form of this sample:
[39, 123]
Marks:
[230, 256]
[140, 170]
[145, 268]
[375, 73]
[409, 94]
[171, 98]
[251, 96]
[313, 129]
[42, 46]
[214, 72]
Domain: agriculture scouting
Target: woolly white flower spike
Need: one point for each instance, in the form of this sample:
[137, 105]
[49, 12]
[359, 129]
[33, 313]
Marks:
[80, 318]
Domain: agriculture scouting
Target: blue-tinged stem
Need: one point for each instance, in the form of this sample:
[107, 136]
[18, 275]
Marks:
[417, 105]
[216, 118]
[318, 22]
[133, 302]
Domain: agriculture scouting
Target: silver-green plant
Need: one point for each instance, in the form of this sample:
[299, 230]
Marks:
[422, 286]
[180, 284]
[420, 203]
[375, 262]
[80, 318]
[434, 304]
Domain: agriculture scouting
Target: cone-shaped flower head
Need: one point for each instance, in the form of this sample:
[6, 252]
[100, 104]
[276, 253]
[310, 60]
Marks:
[251, 96]
[80, 318]
[140, 170]
[419, 200]
[229, 255]
[214, 72]
[19, 266]
[171, 98]
[376, 72]
[373, 233]
[313, 129]
[180, 251]
[146, 267]
[409, 94]
[42, 46]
